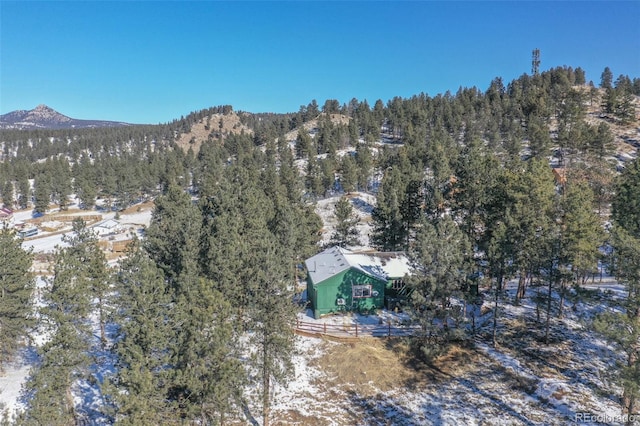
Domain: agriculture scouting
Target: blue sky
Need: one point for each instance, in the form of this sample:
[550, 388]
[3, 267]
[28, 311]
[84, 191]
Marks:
[152, 62]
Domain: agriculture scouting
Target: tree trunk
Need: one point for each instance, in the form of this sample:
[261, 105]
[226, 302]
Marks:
[629, 399]
[473, 320]
[562, 291]
[546, 334]
[520, 292]
[103, 334]
[266, 382]
[71, 409]
[495, 308]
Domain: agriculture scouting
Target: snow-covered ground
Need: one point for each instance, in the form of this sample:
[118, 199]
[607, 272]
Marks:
[522, 381]
[12, 378]
[46, 241]
[15, 373]
[362, 203]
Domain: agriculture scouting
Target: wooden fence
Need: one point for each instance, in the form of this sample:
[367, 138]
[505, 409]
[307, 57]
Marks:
[118, 246]
[88, 218]
[354, 330]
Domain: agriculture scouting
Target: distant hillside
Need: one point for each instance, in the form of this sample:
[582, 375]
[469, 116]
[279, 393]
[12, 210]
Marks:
[44, 117]
[214, 126]
[312, 126]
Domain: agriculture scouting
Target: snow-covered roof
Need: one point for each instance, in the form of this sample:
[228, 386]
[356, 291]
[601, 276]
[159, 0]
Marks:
[336, 259]
[107, 224]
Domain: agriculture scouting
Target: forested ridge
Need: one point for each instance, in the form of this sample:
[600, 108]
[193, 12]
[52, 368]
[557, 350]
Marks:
[195, 323]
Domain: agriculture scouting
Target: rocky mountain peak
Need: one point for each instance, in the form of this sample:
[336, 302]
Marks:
[44, 113]
[45, 117]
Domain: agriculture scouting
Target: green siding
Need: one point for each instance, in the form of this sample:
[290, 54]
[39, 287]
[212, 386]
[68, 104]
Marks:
[324, 295]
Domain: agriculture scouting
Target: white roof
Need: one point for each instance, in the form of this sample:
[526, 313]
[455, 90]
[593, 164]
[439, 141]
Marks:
[107, 224]
[336, 259]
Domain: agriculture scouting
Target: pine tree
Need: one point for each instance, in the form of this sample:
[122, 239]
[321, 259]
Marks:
[476, 180]
[86, 191]
[272, 317]
[346, 231]
[533, 218]
[251, 245]
[440, 172]
[173, 236]
[42, 193]
[208, 374]
[139, 391]
[61, 183]
[7, 193]
[364, 160]
[349, 174]
[225, 251]
[621, 325]
[440, 267]
[205, 379]
[207, 371]
[606, 78]
[233, 218]
[500, 255]
[328, 174]
[625, 109]
[626, 204]
[16, 292]
[66, 313]
[296, 227]
[313, 179]
[583, 233]
[539, 139]
[25, 193]
[602, 144]
[390, 233]
[304, 144]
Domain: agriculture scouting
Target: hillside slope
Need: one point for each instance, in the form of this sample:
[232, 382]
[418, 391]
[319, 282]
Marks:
[44, 117]
[215, 126]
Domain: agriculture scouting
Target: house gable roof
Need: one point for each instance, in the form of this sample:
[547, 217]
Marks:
[326, 264]
[335, 260]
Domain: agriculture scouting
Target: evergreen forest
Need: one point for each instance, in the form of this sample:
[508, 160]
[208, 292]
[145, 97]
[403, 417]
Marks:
[194, 325]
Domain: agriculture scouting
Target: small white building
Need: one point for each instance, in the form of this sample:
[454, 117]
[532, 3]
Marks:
[107, 227]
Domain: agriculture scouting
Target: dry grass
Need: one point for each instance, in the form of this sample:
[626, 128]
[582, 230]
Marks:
[199, 133]
[294, 417]
[456, 361]
[367, 364]
[336, 119]
[620, 131]
[371, 366]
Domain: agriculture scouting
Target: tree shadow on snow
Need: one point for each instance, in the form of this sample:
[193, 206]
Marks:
[463, 392]
[362, 205]
[383, 410]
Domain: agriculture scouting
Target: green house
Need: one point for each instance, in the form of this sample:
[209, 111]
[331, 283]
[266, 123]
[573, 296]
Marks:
[340, 280]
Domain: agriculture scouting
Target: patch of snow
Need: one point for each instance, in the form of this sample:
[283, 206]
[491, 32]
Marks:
[363, 204]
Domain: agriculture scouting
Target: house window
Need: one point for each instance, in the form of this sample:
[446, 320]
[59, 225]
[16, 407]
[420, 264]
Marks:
[361, 291]
[397, 285]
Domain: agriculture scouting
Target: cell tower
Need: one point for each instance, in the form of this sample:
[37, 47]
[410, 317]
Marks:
[535, 61]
